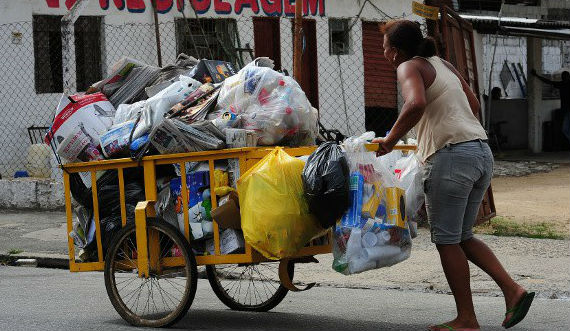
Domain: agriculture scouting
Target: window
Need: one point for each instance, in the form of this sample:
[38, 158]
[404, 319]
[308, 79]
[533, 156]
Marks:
[208, 38]
[48, 71]
[88, 64]
[48, 66]
[339, 37]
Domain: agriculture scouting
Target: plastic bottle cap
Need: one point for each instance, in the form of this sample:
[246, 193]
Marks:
[281, 83]
[288, 110]
[385, 235]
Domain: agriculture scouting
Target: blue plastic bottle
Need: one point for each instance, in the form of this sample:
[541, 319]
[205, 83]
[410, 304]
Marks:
[353, 215]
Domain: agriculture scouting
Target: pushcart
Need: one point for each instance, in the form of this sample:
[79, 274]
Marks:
[150, 268]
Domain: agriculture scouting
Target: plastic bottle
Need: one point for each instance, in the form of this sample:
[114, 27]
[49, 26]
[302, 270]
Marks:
[369, 239]
[352, 217]
[354, 245]
[383, 238]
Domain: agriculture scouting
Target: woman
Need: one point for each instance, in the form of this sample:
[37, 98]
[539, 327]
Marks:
[458, 167]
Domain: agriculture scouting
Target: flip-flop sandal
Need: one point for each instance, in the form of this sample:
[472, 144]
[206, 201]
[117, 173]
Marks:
[519, 311]
[445, 327]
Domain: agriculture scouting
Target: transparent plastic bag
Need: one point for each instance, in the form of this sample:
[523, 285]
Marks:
[275, 217]
[269, 103]
[373, 233]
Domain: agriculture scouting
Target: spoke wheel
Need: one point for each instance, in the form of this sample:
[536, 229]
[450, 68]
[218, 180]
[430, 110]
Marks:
[248, 287]
[165, 296]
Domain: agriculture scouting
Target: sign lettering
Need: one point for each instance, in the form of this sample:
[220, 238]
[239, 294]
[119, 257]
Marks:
[220, 7]
[272, 7]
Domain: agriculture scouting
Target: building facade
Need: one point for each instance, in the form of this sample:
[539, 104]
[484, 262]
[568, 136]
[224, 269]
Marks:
[345, 74]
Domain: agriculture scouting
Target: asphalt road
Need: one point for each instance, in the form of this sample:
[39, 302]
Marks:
[49, 299]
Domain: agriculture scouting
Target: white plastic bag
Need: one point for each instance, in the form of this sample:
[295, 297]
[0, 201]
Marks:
[405, 170]
[153, 109]
[415, 199]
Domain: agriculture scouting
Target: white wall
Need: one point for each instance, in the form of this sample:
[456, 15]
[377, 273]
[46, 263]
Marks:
[512, 49]
[21, 107]
[555, 55]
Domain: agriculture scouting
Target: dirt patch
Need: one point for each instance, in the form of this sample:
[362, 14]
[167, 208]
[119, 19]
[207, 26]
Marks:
[536, 198]
[521, 168]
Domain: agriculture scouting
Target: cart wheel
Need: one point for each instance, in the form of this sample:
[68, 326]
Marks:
[164, 297]
[248, 287]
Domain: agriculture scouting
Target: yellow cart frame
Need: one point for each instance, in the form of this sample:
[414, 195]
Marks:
[247, 158]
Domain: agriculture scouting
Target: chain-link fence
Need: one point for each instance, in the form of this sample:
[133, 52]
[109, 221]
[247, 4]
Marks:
[344, 75]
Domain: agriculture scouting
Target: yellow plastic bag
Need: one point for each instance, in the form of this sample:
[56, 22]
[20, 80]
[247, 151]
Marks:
[275, 217]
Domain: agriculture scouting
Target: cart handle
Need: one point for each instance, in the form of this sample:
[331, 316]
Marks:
[373, 147]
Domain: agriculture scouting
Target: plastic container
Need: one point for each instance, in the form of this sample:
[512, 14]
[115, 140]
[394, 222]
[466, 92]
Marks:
[39, 161]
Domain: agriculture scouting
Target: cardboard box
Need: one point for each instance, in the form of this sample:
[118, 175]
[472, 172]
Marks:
[231, 241]
[227, 215]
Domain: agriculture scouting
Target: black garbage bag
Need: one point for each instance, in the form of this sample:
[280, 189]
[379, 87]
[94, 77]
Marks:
[109, 226]
[108, 191]
[79, 191]
[325, 182]
[109, 201]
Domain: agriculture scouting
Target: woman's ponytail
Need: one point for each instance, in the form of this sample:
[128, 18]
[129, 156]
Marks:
[427, 47]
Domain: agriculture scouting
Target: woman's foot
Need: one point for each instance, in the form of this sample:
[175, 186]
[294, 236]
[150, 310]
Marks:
[512, 299]
[458, 325]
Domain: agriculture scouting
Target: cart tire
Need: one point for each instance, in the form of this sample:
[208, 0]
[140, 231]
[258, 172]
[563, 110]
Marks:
[269, 293]
[173, 288]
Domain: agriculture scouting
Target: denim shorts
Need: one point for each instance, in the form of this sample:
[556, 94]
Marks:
[455, 180]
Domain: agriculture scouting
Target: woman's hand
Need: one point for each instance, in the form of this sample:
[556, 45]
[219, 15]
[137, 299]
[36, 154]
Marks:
[385, 146]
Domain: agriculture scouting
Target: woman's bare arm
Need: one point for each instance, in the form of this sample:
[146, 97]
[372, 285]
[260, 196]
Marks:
[413, 90]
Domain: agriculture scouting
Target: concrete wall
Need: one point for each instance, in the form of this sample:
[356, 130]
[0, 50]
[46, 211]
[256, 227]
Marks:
[125, 36]
[33, 194]
[555, 55]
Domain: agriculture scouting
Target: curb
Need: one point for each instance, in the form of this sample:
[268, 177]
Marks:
[43, 260]
[57, 261]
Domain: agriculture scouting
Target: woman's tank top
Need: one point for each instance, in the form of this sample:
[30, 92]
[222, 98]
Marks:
[447, 118]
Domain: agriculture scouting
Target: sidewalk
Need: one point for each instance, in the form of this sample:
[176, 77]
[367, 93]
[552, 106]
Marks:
[538, 264]
[562, 157]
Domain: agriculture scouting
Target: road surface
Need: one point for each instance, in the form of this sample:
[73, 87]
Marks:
[50, 299]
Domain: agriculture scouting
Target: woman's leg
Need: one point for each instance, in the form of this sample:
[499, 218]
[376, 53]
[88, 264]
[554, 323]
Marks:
[483, 257]
[456, 269]
[449, 182]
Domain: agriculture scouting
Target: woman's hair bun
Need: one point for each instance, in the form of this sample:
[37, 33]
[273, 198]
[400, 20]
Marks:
[427, 47]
